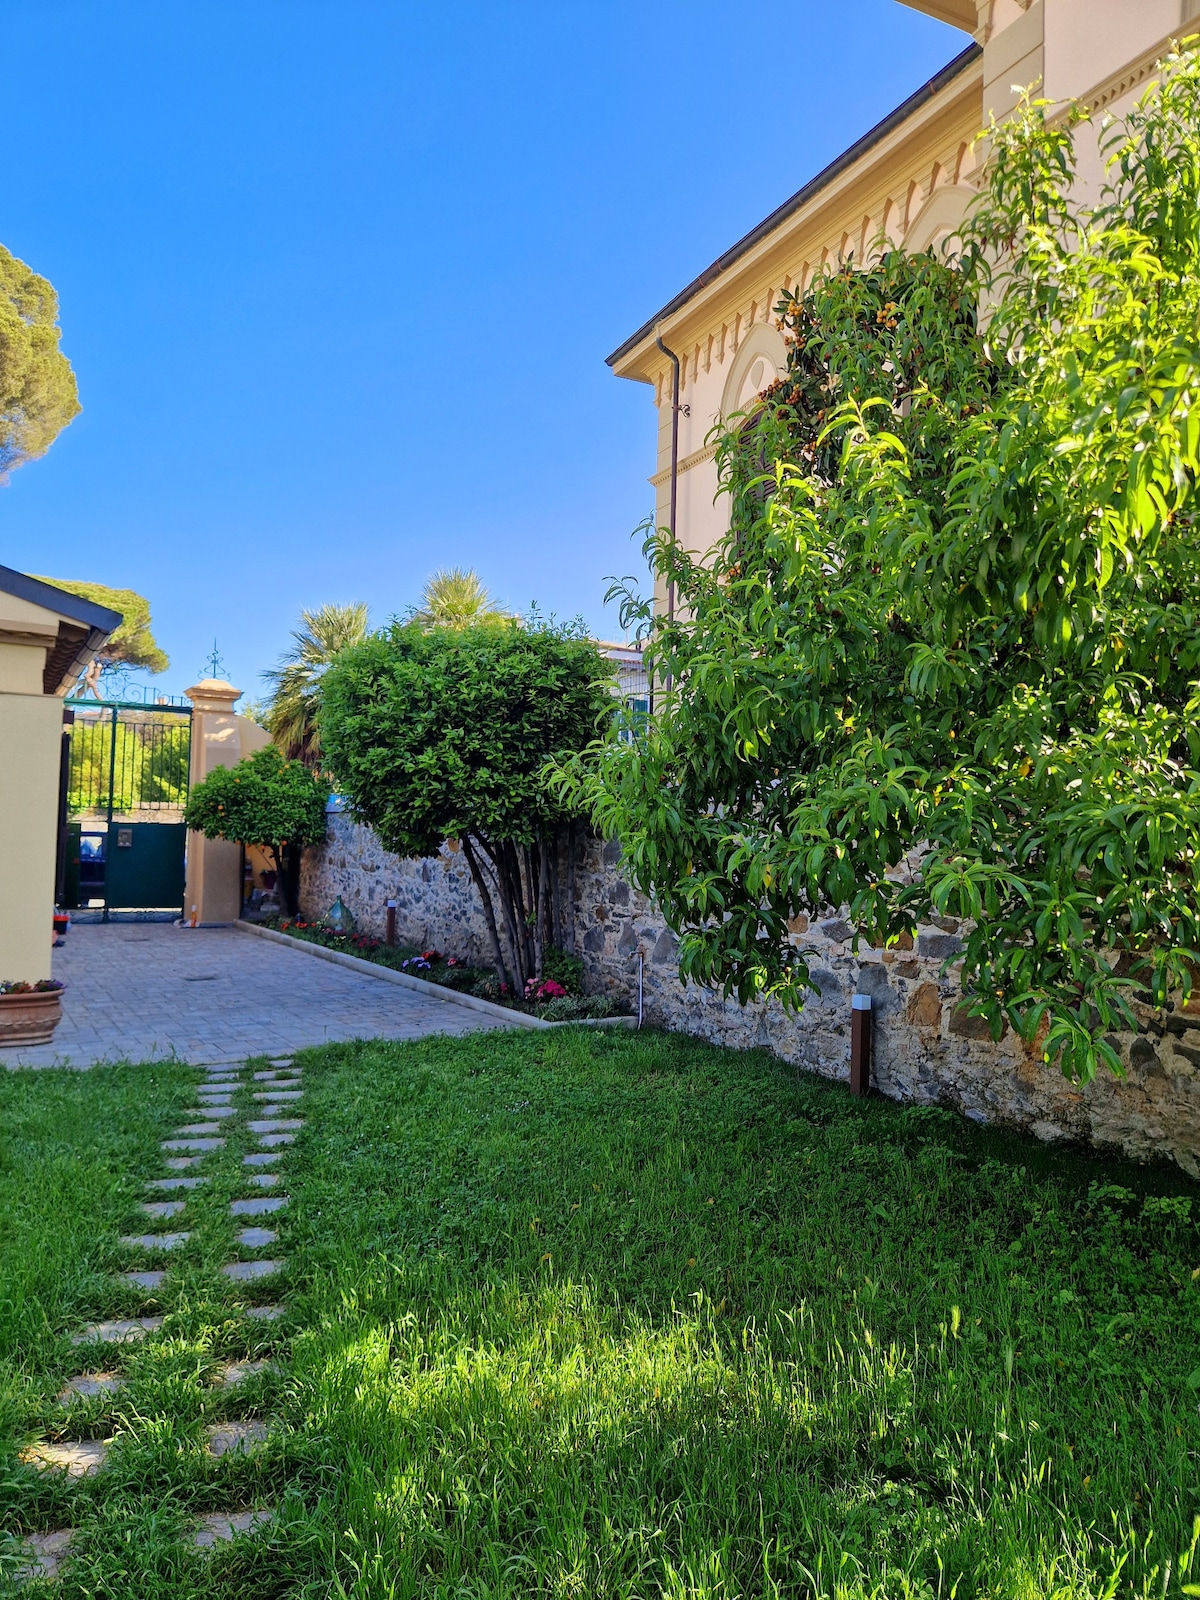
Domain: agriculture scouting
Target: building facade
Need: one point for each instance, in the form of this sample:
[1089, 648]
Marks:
[909, 180]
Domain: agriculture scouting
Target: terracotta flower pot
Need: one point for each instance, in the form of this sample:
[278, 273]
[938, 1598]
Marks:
[29, 1018]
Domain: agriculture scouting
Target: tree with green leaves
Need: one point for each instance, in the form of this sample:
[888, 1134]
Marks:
[291, 713]
[38, 395]
[265, 800]
[130, 646]
[946, 660]
[443, 733]
[455, 598]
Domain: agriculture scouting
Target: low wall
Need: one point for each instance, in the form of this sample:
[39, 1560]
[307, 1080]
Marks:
[926, 1050]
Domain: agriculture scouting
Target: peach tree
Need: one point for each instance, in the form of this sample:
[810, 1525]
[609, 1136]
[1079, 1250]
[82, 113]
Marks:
[945, 661]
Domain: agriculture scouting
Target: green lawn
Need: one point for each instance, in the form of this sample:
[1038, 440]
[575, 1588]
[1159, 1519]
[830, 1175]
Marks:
[580, 1314]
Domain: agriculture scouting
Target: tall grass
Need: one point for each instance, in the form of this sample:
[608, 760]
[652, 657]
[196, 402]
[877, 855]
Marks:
[618, 1316]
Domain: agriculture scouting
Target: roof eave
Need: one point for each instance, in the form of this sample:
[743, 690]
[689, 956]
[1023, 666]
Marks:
[801, 198]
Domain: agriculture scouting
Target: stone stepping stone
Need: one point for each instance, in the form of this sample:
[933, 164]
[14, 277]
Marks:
[277, 1077]
[78, 1458]
[197, 1128]
[235, 1372]
[193, 1144]
[258, 1208]
[153, 1241]
[89, 1384]
[47, 1552]
[234, 1438]
[216, 1097]
[262, 1180]
[270, 1141]
[164, 1208]
[219, 1527]
[123, 1331]
[182, 1163]
[275, 1124]
[256, 1238]
[175, 1183]
[261, 1160]
[250, 1271]
[143, 1280]
[213, 1113]
[273, 1095]
[265, 1313]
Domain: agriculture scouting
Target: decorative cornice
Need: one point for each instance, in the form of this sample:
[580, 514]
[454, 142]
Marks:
[686, 465]
[1131, 76]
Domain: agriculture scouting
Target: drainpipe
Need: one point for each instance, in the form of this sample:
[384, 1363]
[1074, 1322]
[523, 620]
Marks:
[674, 360]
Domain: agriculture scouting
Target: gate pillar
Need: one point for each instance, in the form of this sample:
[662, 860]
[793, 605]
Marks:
[220, 738]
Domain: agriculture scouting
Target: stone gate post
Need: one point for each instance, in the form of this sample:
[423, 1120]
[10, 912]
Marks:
[220, 738]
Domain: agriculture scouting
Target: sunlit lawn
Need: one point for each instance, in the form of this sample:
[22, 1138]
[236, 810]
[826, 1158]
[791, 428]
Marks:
[615, 1315]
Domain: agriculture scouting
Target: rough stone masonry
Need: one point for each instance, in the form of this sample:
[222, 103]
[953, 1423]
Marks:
[927, 1050]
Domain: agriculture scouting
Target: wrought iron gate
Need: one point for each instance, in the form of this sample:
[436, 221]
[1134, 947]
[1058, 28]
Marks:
[124, 787]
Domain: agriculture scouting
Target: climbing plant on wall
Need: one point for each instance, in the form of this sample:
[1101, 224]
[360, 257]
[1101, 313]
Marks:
[945, 661]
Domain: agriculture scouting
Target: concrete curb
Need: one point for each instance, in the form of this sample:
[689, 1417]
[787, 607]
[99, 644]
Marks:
[431, 991]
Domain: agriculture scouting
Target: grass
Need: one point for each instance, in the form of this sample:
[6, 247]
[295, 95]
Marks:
[580, 1314]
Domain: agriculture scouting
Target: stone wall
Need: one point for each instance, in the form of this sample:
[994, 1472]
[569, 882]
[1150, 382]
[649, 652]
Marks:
[926, 1049]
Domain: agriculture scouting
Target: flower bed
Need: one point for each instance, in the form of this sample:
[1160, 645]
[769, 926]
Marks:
[555, 997]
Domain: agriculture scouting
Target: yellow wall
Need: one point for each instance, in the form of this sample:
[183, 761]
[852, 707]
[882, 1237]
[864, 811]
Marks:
[30, 748]
[220, 738]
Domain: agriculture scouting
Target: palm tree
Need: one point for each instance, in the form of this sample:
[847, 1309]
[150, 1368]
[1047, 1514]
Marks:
[291, 715]
[454, 598]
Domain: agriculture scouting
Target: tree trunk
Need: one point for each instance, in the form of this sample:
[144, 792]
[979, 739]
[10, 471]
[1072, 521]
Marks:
[285, 881]
[489, 915]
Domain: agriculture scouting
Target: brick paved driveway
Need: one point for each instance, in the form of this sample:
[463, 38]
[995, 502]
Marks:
[140, 990]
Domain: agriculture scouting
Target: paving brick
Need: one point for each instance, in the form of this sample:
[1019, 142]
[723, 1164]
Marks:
[218, 1527]
[176, 1183]
[258, 1208]
[143, 1280]
[124, 1331]
[275, 1124]
[154, 1241]
[78, 1458]
[250, 1271]
[45, 1554]
[263, 1159]
[87, 1385]
[234, 1438]
[198, 1128]
[271, 1141]
[193, 1144]
[164, 1208]
[256, 1238]
[262, 1180]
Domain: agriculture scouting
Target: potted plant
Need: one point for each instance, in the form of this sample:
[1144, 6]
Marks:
[29, 1012]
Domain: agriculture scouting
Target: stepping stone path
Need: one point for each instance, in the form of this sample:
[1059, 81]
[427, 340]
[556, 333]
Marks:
[221, 1526]
[192, 1143]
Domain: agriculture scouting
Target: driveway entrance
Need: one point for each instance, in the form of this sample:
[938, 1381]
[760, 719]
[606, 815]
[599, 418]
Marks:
[141, 991]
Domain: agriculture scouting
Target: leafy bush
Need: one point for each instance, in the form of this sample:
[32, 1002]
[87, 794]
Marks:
[264, 800]
[564, 968]
[945, 662]
[576, 1008]
[443, 733]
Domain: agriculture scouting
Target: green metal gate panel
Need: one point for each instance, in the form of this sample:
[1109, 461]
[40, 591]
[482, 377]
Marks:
[143, 868]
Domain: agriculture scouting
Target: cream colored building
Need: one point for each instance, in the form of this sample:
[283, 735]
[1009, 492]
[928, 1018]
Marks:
[47, 639]
[909, 180]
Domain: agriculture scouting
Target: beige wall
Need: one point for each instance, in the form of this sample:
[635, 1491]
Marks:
[30, 749]
[220, 738]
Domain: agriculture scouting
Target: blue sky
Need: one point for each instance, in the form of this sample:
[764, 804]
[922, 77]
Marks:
[338, 281]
